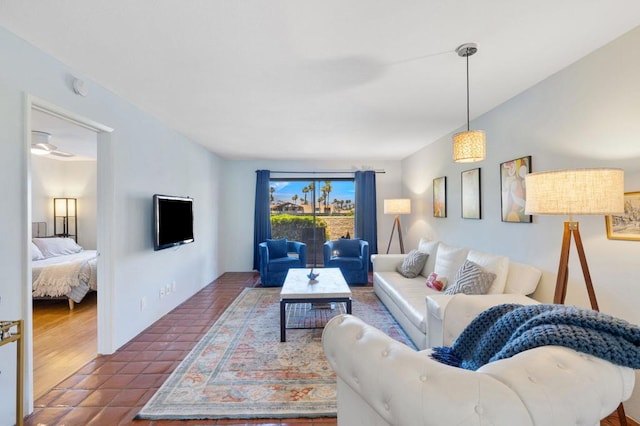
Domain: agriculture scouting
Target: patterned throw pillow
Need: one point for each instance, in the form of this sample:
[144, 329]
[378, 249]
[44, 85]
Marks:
[471, 279]
[435, 282]
[412, 264]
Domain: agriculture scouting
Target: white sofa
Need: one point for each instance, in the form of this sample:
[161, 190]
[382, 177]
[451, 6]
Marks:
[422, 311]
[383, 382]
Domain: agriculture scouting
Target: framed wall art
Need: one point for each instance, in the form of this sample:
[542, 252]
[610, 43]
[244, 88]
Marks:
[440, 197]
[471, 194]
[627, 225]
[513, 190]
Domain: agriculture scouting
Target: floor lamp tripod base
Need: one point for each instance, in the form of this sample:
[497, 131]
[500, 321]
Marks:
[571, 229]
[396, 224]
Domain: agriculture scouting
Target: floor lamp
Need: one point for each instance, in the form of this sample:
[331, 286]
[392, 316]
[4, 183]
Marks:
[575, 192]
[397, 206]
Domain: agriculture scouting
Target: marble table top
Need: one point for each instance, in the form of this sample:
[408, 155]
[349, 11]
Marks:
[330, 283]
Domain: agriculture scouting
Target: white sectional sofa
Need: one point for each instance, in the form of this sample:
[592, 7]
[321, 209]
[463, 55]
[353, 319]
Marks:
[422, 311]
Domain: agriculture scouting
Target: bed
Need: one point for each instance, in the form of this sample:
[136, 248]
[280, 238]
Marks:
[61, 269]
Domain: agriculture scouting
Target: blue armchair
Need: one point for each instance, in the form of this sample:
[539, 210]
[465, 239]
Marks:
[351, 256]
[275, 260]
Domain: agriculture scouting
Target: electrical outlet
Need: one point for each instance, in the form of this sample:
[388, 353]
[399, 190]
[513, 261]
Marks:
[143, 303]
[167, 289]
[161, 292]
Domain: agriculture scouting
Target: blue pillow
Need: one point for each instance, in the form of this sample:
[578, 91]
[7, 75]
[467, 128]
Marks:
[347, 248]
[277, 248]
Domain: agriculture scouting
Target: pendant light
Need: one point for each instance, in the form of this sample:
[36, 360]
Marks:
[468, 146]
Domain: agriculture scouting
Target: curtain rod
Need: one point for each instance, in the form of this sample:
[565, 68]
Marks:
[325, 172]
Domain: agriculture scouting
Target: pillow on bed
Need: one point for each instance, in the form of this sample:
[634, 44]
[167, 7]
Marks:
[51, 247]
[36, 254]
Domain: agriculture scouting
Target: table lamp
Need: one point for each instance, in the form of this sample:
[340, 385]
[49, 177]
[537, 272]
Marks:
[397, 206]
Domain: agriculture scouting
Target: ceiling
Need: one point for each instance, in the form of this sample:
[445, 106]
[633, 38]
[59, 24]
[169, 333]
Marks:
[293, 79]
[66, 137]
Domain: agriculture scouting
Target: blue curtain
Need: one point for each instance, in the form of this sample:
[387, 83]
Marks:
[366, 218]
[262, 218]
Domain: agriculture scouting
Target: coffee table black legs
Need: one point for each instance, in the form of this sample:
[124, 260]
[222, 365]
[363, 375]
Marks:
[283, 315]
[283, 322]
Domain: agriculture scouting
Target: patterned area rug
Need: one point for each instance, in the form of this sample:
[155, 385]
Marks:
[241, 370]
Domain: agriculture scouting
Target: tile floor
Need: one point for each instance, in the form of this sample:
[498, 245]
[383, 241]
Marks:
[112, 389]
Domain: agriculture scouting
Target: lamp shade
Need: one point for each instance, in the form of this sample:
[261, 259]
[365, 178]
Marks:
[577, 191]
[65, 206]
[469, 146]
[61, 206]
[397, 206]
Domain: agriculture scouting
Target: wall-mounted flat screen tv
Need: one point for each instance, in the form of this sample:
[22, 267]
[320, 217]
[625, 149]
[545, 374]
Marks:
[173, 221]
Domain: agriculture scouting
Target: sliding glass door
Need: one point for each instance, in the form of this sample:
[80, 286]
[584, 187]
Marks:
[312, 211]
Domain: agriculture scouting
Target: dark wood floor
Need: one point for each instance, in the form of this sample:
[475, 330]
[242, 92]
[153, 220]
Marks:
[111, 389]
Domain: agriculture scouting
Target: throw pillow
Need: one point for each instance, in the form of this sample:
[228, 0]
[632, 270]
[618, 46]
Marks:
[449, 260]
[499, 265]
[50, 247]
[522, 279]
[36, 254]
[471, 279]
[277, 248]
[431, 248]
[346, 248]
[412, 264]
[436, 283]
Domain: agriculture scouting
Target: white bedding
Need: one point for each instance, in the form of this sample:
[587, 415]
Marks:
[70, 275]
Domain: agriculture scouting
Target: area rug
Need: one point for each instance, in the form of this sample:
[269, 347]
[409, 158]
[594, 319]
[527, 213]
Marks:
[241, 370]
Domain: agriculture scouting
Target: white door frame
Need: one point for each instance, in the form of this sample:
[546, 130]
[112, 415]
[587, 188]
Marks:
[105, 201]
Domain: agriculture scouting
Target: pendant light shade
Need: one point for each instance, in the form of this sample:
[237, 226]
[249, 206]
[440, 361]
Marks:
[469, 146]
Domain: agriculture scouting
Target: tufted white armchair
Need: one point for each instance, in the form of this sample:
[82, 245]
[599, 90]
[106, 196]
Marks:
[383, 382]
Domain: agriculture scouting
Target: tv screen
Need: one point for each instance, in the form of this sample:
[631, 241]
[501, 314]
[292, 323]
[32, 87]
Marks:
[173, 221]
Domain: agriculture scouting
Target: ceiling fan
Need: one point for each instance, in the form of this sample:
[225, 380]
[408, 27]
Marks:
[41, 145]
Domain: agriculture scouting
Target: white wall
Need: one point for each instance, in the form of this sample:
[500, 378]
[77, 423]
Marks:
[141, 157]
[239, 195]
[584, 116]
[74, 179]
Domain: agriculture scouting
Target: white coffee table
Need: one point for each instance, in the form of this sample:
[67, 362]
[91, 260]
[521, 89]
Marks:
[329, 286]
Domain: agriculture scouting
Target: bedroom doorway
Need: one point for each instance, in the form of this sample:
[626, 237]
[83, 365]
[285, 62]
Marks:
[63, 205]
[69, 170]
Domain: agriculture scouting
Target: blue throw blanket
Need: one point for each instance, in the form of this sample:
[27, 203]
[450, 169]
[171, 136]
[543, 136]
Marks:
[505, 330]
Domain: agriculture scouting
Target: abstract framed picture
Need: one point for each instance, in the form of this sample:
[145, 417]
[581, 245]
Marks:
[627, 225]
[513, 190]
[440, 197]
[471, 206]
